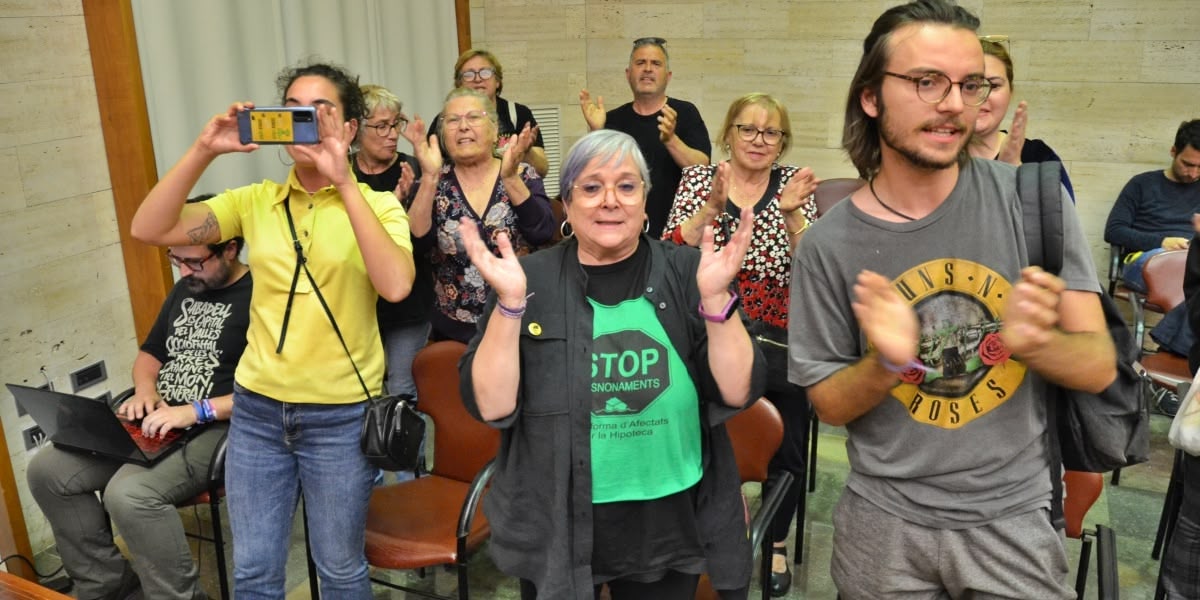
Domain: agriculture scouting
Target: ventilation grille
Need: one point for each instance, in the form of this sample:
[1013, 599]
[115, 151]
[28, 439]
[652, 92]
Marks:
[549, 120]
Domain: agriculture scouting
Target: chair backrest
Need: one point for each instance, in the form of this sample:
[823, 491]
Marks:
[756, 434]
[461, 444]
[1080, 491]
[1164, 278]
[832, 191]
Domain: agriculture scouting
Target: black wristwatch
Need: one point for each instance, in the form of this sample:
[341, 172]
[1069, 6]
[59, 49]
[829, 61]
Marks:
[730, 309]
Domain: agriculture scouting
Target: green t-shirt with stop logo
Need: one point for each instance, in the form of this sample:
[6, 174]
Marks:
[645, 436]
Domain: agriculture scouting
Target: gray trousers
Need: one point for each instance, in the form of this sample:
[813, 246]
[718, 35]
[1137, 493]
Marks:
[877, 556]
[141, 502]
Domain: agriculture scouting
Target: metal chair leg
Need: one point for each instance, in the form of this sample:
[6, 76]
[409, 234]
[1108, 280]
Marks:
[812, 454]
[1170, 508]
[219, 545]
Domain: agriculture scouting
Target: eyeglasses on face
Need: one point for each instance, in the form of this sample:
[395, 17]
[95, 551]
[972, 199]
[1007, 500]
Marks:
[483, 74]
[385, 129]
[770, 135]
[592, 193]
[195, 264]
[474, 118]
[934, 86]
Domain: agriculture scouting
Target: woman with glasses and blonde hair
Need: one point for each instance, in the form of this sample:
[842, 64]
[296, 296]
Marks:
[501, 195]
[481, 71]
[756, 133]
[610, 363]
[404, 325]
[990, 141]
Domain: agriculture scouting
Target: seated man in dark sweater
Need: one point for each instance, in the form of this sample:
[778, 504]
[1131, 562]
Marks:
[1153, 214]
[1154, 211]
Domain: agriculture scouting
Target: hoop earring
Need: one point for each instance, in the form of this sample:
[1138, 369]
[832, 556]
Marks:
[280, 154]
[646, 225]
[565, 230]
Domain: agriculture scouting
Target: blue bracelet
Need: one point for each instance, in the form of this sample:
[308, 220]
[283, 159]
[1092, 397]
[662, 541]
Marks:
[199, 406]
[210, 414]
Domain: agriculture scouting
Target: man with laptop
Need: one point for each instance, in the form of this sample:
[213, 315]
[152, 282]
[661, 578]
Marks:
[183, 377]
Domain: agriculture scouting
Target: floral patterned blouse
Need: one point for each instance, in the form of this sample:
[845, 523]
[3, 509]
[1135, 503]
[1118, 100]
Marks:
[767, 270]
[460, 291]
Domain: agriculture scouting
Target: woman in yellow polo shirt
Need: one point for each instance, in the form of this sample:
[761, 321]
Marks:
[298, 400]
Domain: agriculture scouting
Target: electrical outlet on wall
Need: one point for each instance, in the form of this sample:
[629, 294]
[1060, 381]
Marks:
[89, 375]
[34, 437]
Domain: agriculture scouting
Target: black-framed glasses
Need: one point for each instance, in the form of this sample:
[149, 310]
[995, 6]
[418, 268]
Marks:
[647, 41]
[483, 74]
[592, 193]
[770, 135]
[385, 129]
[195, 264]
[934, 86]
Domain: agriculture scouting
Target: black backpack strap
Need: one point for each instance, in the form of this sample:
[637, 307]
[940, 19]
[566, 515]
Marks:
[1039, 187]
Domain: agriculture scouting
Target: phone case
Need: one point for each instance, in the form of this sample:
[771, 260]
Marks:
[278, 125]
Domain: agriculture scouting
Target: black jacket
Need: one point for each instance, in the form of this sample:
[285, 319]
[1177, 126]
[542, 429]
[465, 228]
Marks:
[540, 502]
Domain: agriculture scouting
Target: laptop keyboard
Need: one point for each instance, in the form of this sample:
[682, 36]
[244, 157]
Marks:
[149, 445]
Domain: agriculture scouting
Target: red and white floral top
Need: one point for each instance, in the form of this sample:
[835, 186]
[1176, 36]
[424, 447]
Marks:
[767, 271]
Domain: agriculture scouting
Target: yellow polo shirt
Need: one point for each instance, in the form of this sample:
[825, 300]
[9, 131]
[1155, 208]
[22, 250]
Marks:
[312, 368]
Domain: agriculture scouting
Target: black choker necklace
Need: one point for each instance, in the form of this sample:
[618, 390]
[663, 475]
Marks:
[871, 185]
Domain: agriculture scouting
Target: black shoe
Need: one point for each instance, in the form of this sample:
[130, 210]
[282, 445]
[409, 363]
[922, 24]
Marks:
[780, 582]
[1167, 402]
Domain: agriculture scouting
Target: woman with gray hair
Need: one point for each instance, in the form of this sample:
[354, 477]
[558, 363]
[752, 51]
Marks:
[610, 363]
[501, 195]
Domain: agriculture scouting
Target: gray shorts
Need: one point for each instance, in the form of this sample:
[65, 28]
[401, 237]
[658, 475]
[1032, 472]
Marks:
[877, 555]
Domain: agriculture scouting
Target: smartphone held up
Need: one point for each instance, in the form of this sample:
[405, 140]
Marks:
[278, 125]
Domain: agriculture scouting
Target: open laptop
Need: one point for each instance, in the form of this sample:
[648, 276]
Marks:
[89, 425]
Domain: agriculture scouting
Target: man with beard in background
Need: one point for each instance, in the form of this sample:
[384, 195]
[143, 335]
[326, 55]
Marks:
[182, 376]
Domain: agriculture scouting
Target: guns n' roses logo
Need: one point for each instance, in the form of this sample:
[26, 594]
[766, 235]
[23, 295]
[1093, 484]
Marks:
[968, 371]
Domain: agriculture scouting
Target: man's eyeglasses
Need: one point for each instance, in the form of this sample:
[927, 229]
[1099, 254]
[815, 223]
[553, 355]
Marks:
[770, 136]
[647, 41]
[195, 264]
[385, 129]
[474, 118]
[933, 87]
[592, 193]
[477, 74]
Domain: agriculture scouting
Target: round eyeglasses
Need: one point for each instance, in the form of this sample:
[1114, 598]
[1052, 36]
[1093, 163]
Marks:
[934, 86]
[770, 135]
[592, 193]
[477, 74]
[385, 129]
[195, 264]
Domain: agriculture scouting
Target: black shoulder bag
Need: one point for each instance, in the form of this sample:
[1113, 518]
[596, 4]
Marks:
[1088, 432]
[392, 429]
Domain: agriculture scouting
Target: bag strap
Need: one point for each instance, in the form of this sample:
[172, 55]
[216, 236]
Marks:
[302, 263]
[1039, 188]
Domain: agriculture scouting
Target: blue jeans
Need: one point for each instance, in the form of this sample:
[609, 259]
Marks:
[1132, 272]
[276, 451]
[401, 345]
